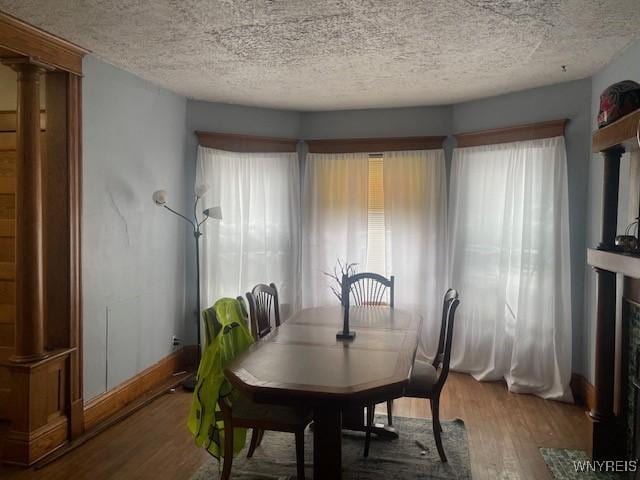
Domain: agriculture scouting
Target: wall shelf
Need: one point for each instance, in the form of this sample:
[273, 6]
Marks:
[618, 262]
[622, 132]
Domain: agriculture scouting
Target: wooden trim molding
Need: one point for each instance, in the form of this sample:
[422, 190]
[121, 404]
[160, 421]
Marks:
[622, 132]
[246, 143]
[374, 145]
[74, 200]
[111, 402]
[518, 133]
[24, 39]
[583, 392]
[36, 419]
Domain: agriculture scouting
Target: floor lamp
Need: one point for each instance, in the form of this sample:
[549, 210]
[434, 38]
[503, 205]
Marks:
[160, 199]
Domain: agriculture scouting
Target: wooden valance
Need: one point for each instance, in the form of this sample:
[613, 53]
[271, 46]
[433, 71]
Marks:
[374, 145]
[518, 133]
[246, 143]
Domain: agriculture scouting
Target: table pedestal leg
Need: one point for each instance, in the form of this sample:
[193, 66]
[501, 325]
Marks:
[327, 444]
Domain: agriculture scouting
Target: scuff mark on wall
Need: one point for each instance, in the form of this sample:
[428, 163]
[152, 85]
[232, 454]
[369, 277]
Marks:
[119, 213]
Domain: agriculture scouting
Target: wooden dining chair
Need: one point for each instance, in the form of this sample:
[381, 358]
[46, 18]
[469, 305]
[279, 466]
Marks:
[428, 378]
[264, 309]
[263, 306]
[244, 413]
[371, 289]
[245, 310]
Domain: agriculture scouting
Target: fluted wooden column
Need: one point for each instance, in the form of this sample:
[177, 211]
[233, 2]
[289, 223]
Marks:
[29, 329]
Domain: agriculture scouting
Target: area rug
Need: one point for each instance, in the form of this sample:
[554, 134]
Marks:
[567, 464]
[413, 456]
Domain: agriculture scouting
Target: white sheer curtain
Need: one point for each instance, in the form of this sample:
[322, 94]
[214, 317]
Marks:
[334, 220]
[258, 239]
[510, 262]
[416, 228]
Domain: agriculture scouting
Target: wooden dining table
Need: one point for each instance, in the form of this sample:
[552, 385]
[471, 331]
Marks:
[301, 363]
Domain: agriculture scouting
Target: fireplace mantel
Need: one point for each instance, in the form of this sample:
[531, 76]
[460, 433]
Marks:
[617, 262]
[609, 434]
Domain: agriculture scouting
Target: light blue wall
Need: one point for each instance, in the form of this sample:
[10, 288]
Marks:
[133, 252]
[387, 122]
[625, 66]
[569, 100]
[226, 118]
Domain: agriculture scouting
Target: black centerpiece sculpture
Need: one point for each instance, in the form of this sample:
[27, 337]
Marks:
[345, 334]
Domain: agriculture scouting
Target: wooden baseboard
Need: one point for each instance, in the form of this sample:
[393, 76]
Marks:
[170, 383]
[109, 403]
[583, 392]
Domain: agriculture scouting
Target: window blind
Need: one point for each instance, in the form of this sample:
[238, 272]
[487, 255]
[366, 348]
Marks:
[376, 244]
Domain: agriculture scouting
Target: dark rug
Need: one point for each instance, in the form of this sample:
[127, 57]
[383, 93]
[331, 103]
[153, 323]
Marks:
[567, 464]
[413, 456]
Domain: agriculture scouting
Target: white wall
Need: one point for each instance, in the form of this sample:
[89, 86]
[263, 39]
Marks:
[134, 268]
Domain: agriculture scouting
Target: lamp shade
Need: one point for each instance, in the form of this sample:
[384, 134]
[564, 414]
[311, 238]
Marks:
[201, 190]
[160, 197]
[213, 212]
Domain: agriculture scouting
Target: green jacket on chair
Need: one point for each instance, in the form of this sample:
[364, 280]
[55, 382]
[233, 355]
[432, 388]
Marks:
[228, 336]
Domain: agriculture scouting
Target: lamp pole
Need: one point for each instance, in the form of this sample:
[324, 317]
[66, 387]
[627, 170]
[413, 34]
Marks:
[160, 198]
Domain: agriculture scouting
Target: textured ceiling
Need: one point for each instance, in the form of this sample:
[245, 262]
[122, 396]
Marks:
[338, 54]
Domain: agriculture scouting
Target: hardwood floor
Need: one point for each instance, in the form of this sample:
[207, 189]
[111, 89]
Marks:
[505, 432]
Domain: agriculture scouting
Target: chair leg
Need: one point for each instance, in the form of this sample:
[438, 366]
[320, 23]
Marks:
[370, 411]
[228, 452]
[255, 433]
[260, 437]
[434, 416]
[300, 454]
[390, 412]
[437, 429]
